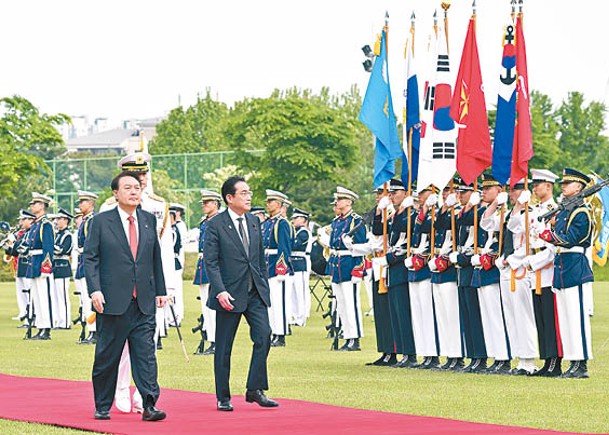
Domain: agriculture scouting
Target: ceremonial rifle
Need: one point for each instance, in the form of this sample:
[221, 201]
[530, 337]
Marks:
[575, 201]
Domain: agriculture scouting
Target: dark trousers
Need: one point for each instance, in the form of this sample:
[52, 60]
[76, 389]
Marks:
[385, 342]
[401, 318]
[112, 332]
[545, 319]
[227, 323]
[471, 322]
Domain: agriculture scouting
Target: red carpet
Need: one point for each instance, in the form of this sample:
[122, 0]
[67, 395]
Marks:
[70, 404]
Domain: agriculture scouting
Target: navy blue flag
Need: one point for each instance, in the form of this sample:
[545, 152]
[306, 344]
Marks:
[377, 114]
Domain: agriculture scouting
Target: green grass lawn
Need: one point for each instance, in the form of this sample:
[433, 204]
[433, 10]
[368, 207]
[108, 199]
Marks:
[306, 369]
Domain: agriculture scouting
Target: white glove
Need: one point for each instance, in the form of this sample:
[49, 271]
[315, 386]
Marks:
[382, 261]
[453, 257]
[474, 199]
[399, 250]
[384, 203]
[432, 264]
[348, 241]
[431, 200]
[526, 262]
[280, 278]
[408, 202]
[525, 196]
[476, 260]
[537, 227]
[408, 262]
[451, 200]
[502, 198]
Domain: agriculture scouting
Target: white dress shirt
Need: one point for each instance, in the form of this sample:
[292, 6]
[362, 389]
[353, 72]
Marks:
[125, 221]
[234, 216]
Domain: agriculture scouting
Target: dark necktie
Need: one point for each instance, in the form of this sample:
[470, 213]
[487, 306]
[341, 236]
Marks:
[133, 242]
[242, 233]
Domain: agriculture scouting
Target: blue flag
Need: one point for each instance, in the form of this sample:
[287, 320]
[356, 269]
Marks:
[377, 114]
[506, 111]
[601, 244]
[413, 118]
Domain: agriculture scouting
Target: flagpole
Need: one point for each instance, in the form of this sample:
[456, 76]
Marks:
[410, 133]
[382, 285]
[446, 6]
[476, 179]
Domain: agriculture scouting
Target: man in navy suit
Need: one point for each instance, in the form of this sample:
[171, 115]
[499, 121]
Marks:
[234, 261]
[125, 280]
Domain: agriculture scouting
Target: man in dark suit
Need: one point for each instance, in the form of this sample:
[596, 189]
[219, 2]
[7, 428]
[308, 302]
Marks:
[125, 281]
[234, 261]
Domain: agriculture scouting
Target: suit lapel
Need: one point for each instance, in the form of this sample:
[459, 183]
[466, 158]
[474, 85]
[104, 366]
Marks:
[143, 230]
[229, 227]
[116, 227]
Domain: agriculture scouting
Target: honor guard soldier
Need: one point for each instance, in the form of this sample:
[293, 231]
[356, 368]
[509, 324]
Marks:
[469, 306]
[86, 204]
[516, 298]
[571, 233]
[177, 248]
[62, 269]
[301, 264]
[385, 342]
[18, 250]
[139, 162]
[419, 279]
[444, 283]
[277, 235]
[347, 269]
[486, 278]
[180, 226]
[395, 272]
[540, 270]
[210, 202]
[77, 221]
[40, 270]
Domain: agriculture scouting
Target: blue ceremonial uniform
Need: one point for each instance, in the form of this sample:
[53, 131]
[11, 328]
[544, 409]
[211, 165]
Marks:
[342, 264]
[300, 246]
[442, 226]
[200, 274]
[422, 226]
[177, 246]
[277, 241]
[20, 250]
[41, 246]
[83, 232]
[482, 277]
[63, 249]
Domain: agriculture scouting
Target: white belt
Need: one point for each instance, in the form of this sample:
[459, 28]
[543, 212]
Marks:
[61, 257]
[573, 250]
[340, 253]
[271, 252]
[299, 254]
[35, 252]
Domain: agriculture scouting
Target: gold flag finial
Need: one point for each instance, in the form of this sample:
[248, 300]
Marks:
[445, 6]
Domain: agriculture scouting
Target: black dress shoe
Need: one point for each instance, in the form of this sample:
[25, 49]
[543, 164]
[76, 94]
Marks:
[387, 359]
[553, 370]
[152, 414]
[102, 415]
[224, 405]
[210, 350]
[260, 398]
[279, 341]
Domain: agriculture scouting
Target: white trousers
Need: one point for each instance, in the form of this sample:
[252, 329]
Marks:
[22, 298]
[520, 315]
[574, 322]
[446, 301]
[368, 285]
[85, 302]
[42, 297]
[123, 396]
[299, 294]
[422, 314]
[281, 305]
[491, 311]
[63, 308]
[209, 315]
[349, 308]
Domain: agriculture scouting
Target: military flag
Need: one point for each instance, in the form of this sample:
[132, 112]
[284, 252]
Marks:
[412, 122]
[468, 110]
[600, 248]
[523, 137]
[377, 114]
[506, 110]
[437, 160]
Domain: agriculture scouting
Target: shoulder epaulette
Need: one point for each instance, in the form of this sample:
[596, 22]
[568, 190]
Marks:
[156, 197]
[110, 201]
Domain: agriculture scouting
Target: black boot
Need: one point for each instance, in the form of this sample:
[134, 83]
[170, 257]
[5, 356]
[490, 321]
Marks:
[210, 350]
[37, 336]
[386, 359]
[46, 334]
[456, 365]
[542, 371]
[279, 341]
[444, 366]
[407, 362]
[569, 370]
[355, 345]
[159, 344]
[432, 362]
[477, 365]
[503, 368]
[579, 370]
[554, 369]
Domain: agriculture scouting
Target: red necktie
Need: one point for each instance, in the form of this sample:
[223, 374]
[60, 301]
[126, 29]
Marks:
[133, 242]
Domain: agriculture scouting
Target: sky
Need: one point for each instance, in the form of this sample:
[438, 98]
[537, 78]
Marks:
[125, 59]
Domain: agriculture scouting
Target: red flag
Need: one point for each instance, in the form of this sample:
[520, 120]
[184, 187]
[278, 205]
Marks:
[468, 109]
[523, 137]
